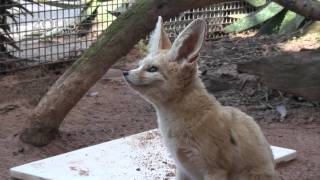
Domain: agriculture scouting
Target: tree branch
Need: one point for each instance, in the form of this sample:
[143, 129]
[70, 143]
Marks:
[308, 8]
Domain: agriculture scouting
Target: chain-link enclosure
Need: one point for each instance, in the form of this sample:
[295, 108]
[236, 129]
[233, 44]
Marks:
[35, 32]
[217, 15]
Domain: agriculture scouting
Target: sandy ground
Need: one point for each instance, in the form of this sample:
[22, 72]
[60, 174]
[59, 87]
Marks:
[111, 110]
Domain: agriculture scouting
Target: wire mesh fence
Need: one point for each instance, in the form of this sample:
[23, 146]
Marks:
[217, 15]
[35, 32]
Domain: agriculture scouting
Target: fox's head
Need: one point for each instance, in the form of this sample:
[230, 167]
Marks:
[169, 69]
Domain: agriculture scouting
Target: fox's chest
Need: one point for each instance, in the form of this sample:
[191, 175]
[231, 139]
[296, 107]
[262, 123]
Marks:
[182, 148]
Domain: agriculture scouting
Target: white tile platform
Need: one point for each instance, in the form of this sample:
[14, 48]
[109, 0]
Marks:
[137, 157]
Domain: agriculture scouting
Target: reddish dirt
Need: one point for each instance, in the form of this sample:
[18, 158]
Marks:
[111, 110]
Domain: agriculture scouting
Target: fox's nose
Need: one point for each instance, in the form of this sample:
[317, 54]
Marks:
[125, 73]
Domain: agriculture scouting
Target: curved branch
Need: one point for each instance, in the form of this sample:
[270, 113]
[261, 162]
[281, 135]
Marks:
[308, 8]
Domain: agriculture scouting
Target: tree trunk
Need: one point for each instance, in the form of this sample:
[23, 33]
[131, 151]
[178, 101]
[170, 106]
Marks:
[116, 41]
[307, 8]
[297, 73]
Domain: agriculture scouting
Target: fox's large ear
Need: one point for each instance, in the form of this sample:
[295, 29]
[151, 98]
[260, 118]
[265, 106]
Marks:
[187, 45]
[159, 39]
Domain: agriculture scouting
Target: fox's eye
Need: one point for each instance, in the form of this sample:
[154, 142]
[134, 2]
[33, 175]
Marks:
[152, 69]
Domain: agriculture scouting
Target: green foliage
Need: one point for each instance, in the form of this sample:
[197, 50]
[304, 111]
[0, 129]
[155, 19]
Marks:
[291, 22]
[256, 3]
[272, 18]
[255, 19]
[272, 25]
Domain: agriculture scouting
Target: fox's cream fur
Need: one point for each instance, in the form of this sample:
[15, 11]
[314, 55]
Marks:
[208, 141]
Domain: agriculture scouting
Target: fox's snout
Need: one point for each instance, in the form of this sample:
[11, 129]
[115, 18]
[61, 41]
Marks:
[126, 76]
[125, 73]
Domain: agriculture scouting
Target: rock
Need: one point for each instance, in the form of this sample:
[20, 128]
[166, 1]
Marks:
[297, 73]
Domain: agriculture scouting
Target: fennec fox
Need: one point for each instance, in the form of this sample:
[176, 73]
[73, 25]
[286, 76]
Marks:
[207, 141]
